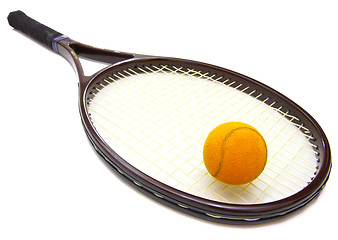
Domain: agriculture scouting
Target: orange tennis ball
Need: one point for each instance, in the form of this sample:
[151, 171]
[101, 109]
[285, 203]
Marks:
[235, 153]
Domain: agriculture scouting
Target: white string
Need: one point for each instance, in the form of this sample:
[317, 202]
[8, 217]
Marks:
[157, 119]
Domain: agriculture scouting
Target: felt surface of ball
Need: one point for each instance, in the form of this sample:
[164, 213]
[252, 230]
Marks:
[235, 153]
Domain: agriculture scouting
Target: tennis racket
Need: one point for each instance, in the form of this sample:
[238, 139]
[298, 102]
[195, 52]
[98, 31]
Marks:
[148, 118]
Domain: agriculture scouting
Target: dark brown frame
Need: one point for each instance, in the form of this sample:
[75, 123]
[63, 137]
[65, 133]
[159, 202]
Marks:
[193, 205]
[207, 209]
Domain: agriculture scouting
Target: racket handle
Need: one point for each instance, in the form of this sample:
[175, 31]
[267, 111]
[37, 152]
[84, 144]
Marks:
[39, 32]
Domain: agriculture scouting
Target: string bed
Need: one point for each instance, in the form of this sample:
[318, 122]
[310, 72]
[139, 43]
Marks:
[157, 119]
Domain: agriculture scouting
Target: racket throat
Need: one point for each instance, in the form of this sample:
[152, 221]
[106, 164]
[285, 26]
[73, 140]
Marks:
[73, 51]
[99, 54]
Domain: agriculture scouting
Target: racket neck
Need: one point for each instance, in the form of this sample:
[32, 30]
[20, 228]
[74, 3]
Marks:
[72, 51]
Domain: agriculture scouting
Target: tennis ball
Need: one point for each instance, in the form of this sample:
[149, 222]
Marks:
[235, 153]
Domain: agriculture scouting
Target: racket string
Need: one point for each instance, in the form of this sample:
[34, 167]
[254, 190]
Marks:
[157, 118]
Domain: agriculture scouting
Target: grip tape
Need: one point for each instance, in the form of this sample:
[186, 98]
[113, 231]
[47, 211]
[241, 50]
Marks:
[39, 32]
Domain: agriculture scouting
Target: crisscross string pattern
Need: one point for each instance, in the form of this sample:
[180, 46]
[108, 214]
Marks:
[158, 117]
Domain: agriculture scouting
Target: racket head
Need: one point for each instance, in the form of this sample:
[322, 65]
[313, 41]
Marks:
[218, 211]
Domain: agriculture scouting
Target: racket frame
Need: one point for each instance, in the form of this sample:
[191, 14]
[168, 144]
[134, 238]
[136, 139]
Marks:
[185, 202]
[193, 205]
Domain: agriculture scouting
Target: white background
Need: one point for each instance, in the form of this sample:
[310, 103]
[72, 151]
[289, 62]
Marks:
[54, 186]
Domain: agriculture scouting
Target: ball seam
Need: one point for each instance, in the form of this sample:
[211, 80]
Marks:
[224, 143]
